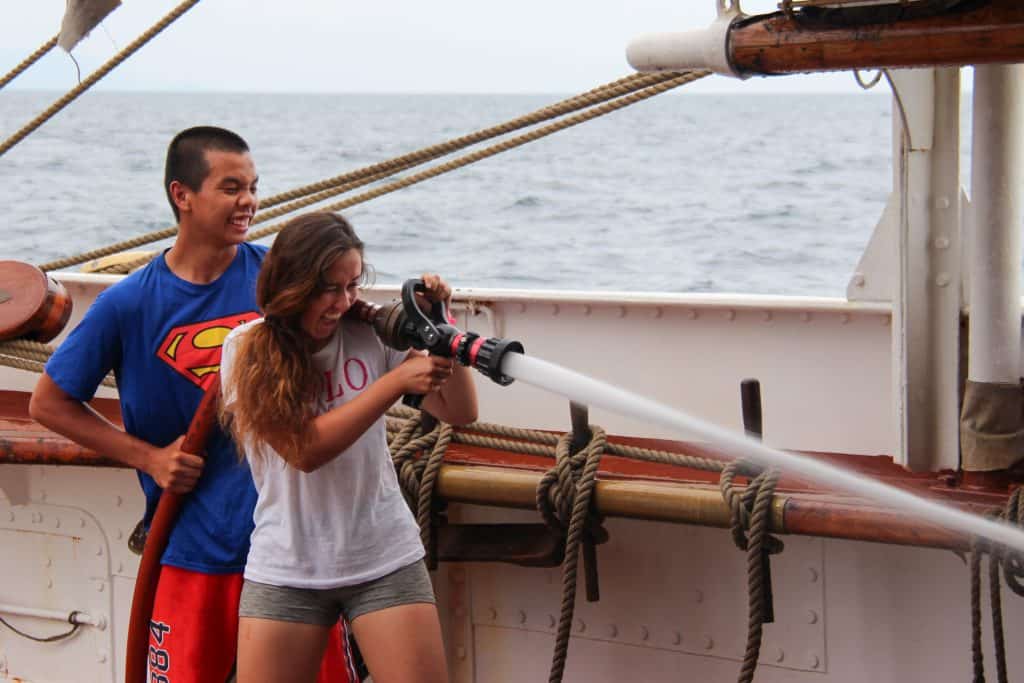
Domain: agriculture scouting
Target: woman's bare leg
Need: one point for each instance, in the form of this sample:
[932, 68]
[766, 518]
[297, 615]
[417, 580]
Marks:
[402, 644]
[272, 651]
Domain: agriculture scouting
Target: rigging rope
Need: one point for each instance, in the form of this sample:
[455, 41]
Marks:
[94, 77]
[28, 61]
[378, 171]
[32, 356]
[1012, 565]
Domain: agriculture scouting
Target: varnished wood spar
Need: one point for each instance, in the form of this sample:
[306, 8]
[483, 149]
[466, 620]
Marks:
[137, 652]
[802, 514]
[990, 33]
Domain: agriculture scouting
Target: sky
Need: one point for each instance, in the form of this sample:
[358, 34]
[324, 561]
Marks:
[372, 46]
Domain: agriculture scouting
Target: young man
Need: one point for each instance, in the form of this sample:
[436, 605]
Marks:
[160, 330]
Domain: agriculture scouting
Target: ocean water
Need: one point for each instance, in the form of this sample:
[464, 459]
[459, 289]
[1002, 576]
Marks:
[770, 194]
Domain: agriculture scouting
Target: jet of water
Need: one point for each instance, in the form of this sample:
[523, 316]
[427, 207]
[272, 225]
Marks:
[589, 391]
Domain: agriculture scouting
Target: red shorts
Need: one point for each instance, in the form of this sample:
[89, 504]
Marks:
[193, 636]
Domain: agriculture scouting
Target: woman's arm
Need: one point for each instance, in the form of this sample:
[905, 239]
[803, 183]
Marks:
[455, 401]
[334, 431]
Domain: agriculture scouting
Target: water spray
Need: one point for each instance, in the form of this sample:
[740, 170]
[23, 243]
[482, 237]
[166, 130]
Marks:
[589, 391]
[403, 325]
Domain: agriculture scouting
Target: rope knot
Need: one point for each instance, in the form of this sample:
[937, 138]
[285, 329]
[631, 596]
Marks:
[568, 482]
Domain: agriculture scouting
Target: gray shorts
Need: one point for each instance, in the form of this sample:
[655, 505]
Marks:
[405, 586]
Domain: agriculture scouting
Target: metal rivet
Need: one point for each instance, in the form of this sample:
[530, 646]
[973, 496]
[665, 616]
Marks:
[101, 656]
[119, 534]
[698, 596]
[613, 631]
[81, 522]
[48, 562]
[49, 583]
[942, 202]
[691, 314]
[677, 638]
[812, 574]
[555, 309]
[460, 652]
[709, 643]
[522, 617]
[812, 617]
[493, 613]
[730, 314]
[644, 633]
[623, 311]
[42, 495]
[813, 661]
[779, 655]
[99, 587]
[581, 625]
[101, 624]
[942, 243]
[844, 319]
[805, 316]
[118, 500]
[658, 312]
[857, 280]
[120, 567]
[767, 316]
[586, 309]
[99, 551]
[552, 621]
[460, 612]
[11, 516]
[942, 279]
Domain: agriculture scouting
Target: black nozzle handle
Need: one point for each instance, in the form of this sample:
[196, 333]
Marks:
[423, 329]
[413, 400]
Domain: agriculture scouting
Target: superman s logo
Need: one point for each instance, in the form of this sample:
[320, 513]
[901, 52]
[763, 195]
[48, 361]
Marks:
[194, 349]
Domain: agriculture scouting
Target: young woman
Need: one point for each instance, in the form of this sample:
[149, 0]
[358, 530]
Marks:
[305, 394]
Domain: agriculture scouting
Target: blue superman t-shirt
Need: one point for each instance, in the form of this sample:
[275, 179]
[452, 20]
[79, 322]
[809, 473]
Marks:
[162, 338]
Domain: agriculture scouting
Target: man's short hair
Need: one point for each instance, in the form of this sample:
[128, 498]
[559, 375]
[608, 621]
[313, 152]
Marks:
[186, 156]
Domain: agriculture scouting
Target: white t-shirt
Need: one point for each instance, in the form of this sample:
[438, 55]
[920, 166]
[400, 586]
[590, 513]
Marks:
[346, 523]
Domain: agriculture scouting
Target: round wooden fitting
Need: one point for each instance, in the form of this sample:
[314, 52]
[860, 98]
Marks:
[33, 305]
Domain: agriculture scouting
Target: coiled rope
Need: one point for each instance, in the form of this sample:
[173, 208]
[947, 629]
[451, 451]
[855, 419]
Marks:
[28, 61]
[95, 76]
[602, 100]
[1012, 565]
[32, 356]
[565, 495]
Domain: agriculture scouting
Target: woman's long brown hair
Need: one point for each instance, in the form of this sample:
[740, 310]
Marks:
[274, 380]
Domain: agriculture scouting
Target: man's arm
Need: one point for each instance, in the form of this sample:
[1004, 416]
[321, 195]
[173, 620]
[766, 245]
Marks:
[57, 410]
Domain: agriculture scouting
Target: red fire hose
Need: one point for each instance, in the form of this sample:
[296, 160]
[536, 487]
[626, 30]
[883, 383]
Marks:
[137, 653]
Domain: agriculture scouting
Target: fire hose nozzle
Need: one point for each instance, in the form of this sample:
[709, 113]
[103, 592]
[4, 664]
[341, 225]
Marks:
[404, 324]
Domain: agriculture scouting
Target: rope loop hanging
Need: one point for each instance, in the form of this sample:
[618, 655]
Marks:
[417, 473]
[750, 522]
[1012, 565]
[565, 500]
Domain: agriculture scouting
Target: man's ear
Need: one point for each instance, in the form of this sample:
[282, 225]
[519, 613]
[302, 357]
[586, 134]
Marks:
[181, 195]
